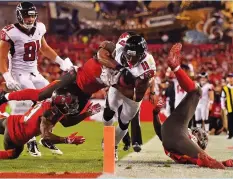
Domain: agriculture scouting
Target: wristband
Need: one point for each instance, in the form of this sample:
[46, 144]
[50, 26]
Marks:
[58, 60]
[176, 69]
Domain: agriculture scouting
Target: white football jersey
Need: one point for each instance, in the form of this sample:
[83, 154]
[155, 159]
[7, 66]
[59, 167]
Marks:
[145, 66]
[205, 93]
[24, 47]
[179, 93]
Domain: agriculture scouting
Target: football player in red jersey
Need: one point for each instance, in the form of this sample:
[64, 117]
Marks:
[63, 107]
[82, 82]
[20, 44]
[179, 144]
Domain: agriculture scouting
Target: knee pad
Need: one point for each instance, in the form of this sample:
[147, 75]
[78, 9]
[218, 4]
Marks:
[108, 114]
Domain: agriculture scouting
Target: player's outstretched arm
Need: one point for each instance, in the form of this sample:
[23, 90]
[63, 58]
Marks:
[71, 120]
[46, 128]
[47, 51]
[105, 55]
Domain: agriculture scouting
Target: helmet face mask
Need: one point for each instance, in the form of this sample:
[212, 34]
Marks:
[65, 102]
[201, 136]
[26, 14]
[134, 50]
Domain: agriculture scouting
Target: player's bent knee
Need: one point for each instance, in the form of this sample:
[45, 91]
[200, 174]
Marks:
[122, 125]
[108, 114]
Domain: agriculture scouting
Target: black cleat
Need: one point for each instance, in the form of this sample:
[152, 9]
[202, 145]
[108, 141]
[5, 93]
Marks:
[33, 149]
[126, 147]
[137, 147]
[2, 97]
[51, 147]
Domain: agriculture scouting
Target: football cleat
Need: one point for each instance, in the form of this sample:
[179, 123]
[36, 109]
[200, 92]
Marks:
[2, 97]
[137, 147]
[126, 147]
[51, 147]
[33, 149]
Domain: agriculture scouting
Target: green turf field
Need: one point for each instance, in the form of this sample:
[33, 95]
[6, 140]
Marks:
[84, 158]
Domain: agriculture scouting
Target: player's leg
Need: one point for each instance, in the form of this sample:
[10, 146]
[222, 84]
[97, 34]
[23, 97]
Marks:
[39, 82]
[125, 115]
[11, 150]
[39, 94]
[113, 101]
[175, 128]
[136, 133]
[205, 117]
[198, 118]
[127, 141]
[25, 81]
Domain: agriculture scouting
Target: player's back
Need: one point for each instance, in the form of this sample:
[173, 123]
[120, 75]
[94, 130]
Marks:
[24, 46]
[21, 128]
[88, 77]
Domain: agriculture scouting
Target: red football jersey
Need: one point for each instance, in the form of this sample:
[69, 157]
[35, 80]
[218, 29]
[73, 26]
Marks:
[21, 128]
[88, 77]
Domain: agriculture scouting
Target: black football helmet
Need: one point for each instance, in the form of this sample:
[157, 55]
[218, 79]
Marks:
[202, 137]
[65, 101]
[134, 49]
[25, 10]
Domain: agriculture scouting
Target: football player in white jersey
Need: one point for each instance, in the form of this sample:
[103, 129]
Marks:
[125, 97]
[20, 44]
[205, 103]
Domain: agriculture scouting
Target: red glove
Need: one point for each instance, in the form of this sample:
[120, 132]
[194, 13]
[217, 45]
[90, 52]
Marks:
[94, 109]
[206, 161]
[174, 56]
[228, 163]
[73, 139]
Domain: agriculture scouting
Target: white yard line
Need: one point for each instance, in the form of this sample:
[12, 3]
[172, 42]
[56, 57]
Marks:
[151, 162]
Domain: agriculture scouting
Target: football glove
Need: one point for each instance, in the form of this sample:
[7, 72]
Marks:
[174, 56]
[94, 109]
[73, 139]
[10, 82]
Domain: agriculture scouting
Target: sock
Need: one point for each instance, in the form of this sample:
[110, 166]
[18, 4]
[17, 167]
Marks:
[207, 127]
[198, 125]
[27, 94]
[184, 81]
[119, 134]
[6, 154]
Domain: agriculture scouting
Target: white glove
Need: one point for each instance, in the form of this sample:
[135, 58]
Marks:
[109, 77]
[10, 82]
[65, 65]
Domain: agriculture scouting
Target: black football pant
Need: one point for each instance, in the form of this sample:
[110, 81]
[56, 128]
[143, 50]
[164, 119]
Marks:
[136, 135]
[174, 130]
